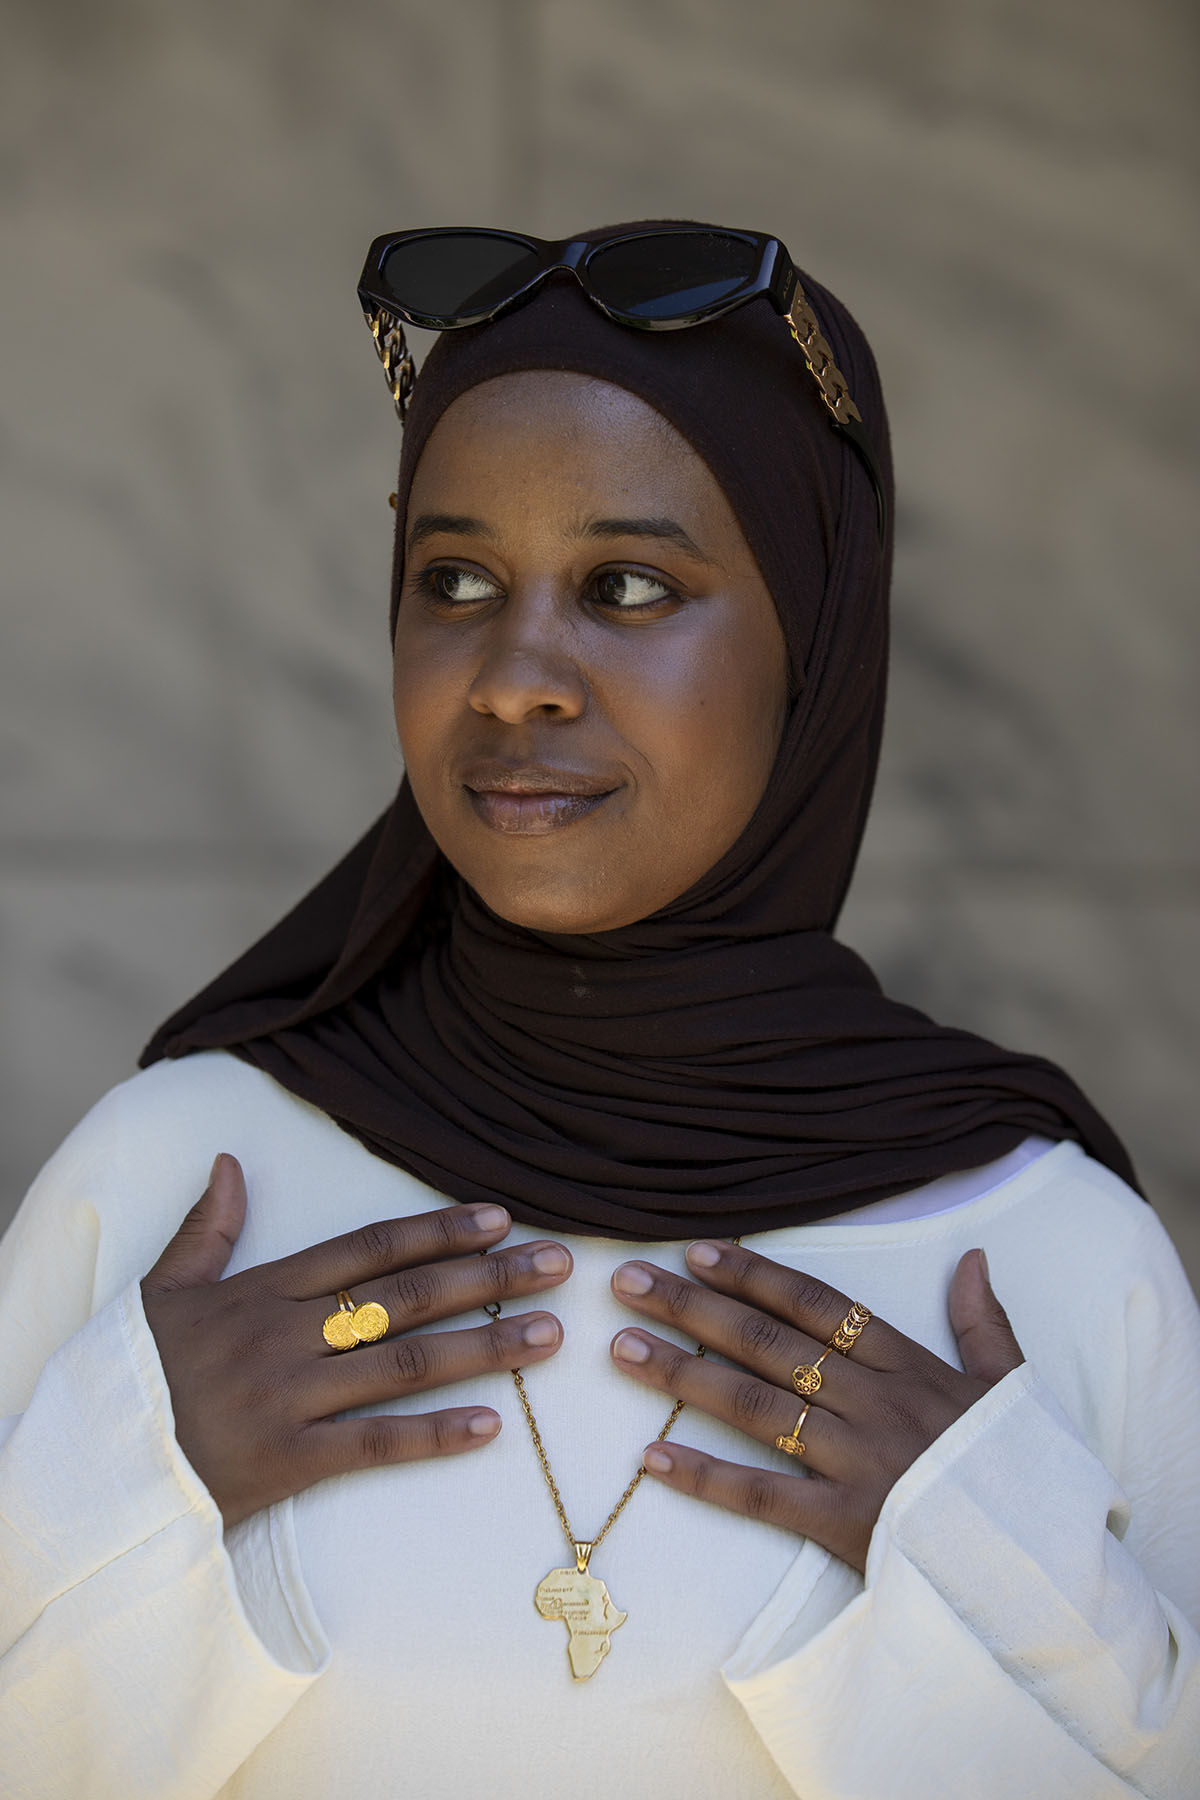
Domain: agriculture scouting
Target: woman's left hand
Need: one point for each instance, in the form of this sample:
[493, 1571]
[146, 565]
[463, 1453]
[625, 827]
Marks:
[876, 1408]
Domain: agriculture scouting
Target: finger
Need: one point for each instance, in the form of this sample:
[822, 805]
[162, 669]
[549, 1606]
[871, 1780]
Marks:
[757, 1340]
[440, 1290]
[798, 1299]
[763, 1411]
[412, 1365]
[202, 1246]
[807, 1506]
[986, 1343]
[338, 1446]
[384, 1245]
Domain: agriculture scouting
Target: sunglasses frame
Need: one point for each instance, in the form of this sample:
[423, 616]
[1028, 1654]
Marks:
[774, 276]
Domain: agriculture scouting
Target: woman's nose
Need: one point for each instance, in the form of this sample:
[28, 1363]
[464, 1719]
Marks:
[528, 666]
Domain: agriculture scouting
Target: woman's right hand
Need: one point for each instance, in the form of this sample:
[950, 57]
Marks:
[254, 1386]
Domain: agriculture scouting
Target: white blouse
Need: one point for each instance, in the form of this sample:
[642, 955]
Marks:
[1026, 1628]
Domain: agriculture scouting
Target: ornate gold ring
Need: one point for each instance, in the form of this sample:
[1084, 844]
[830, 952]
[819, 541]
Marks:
[850, 1329]
[352, 1325]
[792, 1443]
[806, 1377]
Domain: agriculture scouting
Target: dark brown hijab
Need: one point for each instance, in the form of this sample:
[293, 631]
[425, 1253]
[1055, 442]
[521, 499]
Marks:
[723, 1066]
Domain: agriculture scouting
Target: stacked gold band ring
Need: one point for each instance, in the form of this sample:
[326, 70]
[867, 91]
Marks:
[792, 1443]
[850, 1329]
[352, 1325]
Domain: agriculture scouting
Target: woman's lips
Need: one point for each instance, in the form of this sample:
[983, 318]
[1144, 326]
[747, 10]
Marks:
[533, 801]
[532, 813]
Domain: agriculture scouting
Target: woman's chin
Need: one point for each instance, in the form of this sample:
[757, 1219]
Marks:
[563, 909]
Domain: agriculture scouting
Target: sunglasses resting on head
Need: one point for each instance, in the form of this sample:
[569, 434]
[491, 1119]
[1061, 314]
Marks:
[662, 278]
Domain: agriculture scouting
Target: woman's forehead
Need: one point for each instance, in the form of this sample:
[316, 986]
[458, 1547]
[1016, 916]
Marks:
[567, 443]
[557, 406]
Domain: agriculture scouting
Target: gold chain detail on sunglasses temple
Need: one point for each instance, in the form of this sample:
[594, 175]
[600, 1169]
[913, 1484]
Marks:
[819, 357]
[395, 355]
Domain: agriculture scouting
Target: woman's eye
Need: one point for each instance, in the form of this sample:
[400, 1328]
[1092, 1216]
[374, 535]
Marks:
[459, 587]
[626, 589]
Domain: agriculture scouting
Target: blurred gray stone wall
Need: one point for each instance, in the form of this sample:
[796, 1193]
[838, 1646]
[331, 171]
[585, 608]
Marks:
[197, 448]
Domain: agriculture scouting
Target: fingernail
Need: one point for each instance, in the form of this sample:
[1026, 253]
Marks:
[488, 1218]
[483, 1424]
[630, 1279]
[983, 1263]
[550, 1260]
[631, 1349]
[539, 1332]
[703, 1256]
[212, 1173]
[657, 1461]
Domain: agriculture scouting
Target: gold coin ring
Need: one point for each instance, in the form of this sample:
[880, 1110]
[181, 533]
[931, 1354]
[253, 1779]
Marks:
[337, 1330]
[352, 1325]
[806, 1377]
[792, 1443]
[850, 1329]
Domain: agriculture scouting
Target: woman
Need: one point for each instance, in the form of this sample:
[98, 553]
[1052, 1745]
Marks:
[573, 1002]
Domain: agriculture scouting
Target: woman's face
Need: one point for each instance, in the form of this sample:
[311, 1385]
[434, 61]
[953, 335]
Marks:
[590, 675]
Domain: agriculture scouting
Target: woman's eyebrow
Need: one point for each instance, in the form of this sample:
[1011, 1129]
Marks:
[666, 530]
[427, 525]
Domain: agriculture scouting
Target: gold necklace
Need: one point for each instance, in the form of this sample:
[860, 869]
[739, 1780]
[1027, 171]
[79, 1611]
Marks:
[576, 1596]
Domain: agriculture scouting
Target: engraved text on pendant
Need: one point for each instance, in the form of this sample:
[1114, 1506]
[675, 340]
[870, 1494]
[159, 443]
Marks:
[583, 1603]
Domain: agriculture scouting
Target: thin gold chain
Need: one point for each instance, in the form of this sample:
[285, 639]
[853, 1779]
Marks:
[492, 1308]
[538, 1445]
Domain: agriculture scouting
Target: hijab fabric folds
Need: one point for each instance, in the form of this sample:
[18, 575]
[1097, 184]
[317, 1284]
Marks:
[724, 1066]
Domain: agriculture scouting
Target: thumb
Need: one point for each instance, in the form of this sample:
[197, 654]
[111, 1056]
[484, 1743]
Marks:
[204, 1242]
[985, 1338]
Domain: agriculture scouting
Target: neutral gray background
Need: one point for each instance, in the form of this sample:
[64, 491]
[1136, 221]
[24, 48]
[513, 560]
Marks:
[197, 449]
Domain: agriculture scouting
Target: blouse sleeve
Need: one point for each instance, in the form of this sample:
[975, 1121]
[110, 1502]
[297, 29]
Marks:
[129, 1663]
[1028, 1620]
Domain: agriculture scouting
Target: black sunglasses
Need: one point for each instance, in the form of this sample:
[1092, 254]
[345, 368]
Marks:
[661, 279]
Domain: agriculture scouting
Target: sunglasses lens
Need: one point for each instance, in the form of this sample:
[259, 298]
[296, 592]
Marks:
[457, 274]
[672, 275]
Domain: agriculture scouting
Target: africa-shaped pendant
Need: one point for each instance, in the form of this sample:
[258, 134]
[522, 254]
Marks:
[584, 1605]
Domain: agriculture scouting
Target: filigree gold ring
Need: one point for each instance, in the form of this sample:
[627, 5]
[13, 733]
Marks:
[806, 1377]
[850, 1329]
